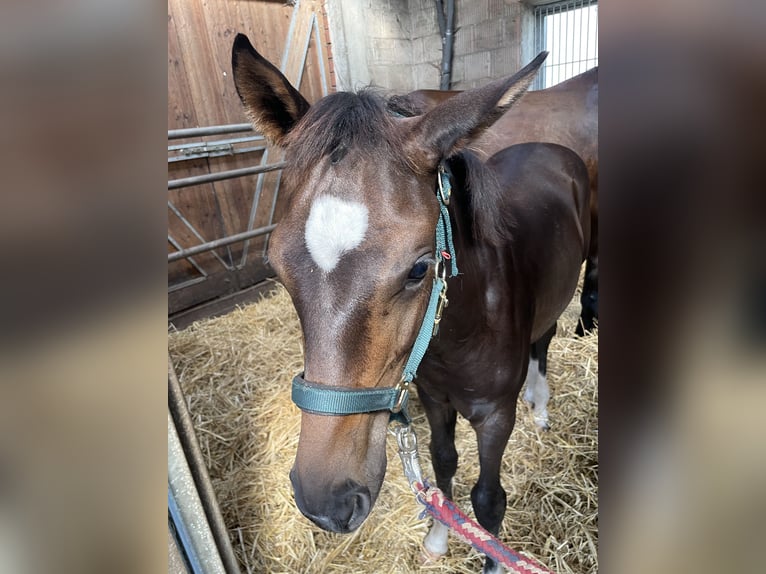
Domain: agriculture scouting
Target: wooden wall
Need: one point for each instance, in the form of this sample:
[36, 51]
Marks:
[201, 93]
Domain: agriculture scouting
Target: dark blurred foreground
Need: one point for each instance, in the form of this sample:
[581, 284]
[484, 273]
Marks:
[683, 287]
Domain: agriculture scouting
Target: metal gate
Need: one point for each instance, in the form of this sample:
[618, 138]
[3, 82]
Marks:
[223, 180]
[569, 31]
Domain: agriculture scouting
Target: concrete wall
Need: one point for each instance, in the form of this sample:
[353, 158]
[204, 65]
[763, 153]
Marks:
[371, 43]
[396, 43]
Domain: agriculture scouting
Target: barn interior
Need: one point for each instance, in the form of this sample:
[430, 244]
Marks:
[234, 341]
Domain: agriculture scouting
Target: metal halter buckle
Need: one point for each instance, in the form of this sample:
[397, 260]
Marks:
[443, 302]
[407, 443]
[402, 388]
[444, 194]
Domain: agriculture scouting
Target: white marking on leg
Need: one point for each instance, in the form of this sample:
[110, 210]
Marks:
[529, 382]
[497, 569]
[436, 539]
[537, 394]
[334, 227]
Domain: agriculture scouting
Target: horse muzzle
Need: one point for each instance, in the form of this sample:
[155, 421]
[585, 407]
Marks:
[341, 510]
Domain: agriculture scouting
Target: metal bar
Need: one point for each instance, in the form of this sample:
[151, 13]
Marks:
[210, 245]
[595, 56]
[188, 439]
[539, 47]
[547, 28]
[290, 34]
[305, 53]
[254, 208]
[185, 284]
[184, 534]
[177, 245]
[320, 57]
[273, 209]
[584, 9]
[196, 233]
[186, 510]
[245, 139]
[209, 131]
[559, 43]
[449, 43]
[221, 175]
[201, 155]
[587, 35]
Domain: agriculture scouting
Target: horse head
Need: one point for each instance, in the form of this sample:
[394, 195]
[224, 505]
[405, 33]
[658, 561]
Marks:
[355, 251]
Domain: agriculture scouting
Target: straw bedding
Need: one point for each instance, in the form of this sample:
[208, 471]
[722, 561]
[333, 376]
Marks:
[236, 371]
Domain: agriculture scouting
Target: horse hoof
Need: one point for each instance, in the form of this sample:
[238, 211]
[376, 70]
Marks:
[542, 424]
[428, 558]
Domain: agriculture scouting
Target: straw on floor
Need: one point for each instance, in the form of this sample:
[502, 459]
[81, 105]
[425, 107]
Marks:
[236, 371]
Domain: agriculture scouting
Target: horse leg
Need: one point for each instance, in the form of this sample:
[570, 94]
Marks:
[441, 419]
[537, 392]
[488, 496]
[589, 297]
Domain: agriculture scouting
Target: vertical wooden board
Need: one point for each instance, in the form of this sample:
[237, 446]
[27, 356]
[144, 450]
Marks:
[267, 25]
[196, 48]
[181, 112]
[297, 42]
[218, 27]
[326, 52]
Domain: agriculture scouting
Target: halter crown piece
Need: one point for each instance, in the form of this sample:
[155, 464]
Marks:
[326, 400]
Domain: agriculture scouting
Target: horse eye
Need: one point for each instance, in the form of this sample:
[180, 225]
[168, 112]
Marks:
[418, 271]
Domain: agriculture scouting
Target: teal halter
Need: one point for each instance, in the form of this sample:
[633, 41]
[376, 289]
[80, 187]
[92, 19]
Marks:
[326, 400]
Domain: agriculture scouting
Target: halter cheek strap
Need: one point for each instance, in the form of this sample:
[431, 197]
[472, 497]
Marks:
[323, 399]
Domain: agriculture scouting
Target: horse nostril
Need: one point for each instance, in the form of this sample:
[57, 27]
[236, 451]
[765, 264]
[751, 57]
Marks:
[352, 506]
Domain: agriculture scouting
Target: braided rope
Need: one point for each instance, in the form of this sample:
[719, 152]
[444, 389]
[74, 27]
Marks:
[445, 511]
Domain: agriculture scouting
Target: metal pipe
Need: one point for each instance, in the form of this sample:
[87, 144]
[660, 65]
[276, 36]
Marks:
[209, 131]
[244, 139]
[191, 448]
[447, 25]
[221, 175]
[188, 514]
[223, 242]
[201, 155]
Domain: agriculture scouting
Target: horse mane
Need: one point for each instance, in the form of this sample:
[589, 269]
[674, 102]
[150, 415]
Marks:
[342, 121]
[483, 197]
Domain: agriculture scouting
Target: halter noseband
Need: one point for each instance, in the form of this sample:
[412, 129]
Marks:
[323, 399]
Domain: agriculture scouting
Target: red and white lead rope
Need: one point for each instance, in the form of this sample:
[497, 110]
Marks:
[446, 512]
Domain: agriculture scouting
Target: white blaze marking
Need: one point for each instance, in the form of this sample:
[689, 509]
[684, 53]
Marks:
[334, 227]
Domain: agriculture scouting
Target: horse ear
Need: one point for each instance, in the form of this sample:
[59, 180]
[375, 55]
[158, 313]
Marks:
[451, 125]
[271, 102]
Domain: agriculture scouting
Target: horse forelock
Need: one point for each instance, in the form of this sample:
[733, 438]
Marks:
[339, 123]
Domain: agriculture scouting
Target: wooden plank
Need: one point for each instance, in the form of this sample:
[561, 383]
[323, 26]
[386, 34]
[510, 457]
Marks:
[221, 306]
[219, 284]
[181, 112]
[294, 65]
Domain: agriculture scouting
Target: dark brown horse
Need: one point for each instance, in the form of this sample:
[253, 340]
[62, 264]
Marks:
[565, 114]
[355, 251]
